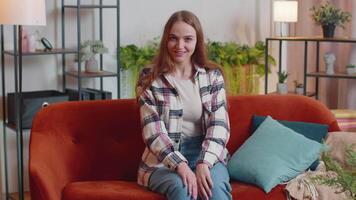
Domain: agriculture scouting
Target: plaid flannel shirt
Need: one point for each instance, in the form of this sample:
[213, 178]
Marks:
[161, 112]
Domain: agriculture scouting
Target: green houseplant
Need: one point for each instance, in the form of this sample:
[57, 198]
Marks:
[282, 85]
[243, 65]
[350, 69]
[329, 17]
[88, 50]
[299, 87]
[133, 58]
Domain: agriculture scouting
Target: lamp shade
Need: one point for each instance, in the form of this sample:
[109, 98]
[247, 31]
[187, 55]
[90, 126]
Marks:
[23, 12]
[285, 11]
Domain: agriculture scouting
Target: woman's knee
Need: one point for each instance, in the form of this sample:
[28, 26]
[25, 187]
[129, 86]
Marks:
[175, 183]
[221, 191]
[176, 190]
[221, 186]
[169, 184]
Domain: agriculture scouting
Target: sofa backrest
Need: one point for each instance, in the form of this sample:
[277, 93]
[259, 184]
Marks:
[98, 140]
[282, 107]
[102, 139]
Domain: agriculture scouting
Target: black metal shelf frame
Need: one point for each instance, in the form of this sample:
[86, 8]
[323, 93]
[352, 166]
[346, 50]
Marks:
[4, 110]
[80, 77]
[90, 6]
[17, 56]
[100, 74]
[17, 127]
[318, 74]
[17, 33]
[42, 52]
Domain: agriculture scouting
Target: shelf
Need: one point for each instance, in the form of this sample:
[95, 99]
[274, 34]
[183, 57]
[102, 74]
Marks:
[42, 52]
[309, 94]
[91, 74]
[15, 196]
[13, 127]
[335, 75]
[91, 6]
[315, 39]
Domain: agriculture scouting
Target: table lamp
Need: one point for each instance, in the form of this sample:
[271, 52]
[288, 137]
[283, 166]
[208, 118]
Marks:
[22, 12]
[19, 13]
[285, 11]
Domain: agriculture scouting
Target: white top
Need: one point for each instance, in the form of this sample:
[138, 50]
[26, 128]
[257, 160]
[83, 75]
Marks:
[188, 91]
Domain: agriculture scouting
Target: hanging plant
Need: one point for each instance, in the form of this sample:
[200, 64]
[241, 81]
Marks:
[243, 65]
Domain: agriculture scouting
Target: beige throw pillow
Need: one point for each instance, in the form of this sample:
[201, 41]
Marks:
[338, 141]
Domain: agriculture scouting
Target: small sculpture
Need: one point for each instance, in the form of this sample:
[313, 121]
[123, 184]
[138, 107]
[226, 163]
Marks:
[329, 59]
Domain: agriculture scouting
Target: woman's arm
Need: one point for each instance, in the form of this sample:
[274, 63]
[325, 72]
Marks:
[217, 125]
[155, 134]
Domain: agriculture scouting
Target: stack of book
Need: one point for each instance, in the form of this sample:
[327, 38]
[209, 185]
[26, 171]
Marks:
[346, 119]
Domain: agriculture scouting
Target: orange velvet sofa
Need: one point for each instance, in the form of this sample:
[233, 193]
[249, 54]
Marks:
[90, 150]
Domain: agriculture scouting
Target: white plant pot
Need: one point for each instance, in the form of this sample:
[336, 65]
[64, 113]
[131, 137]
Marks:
[91, 66]
[350, 70]
[282, 88]
[299, 90]
[126, 87]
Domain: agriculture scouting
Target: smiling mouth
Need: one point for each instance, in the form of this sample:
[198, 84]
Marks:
[179, 53]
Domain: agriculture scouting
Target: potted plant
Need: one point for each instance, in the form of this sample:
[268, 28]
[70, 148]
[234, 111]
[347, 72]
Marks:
[329, 17]
[282, 87]
[350, 69]
[243, 65]
[88, 50]
[133, 58]
[299, 87]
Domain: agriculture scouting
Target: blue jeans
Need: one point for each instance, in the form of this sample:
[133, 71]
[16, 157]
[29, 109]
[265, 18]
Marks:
[169, 183]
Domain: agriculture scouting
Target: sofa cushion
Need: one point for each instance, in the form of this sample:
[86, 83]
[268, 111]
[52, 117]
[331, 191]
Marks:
[108, 190]
[314, 131]
[247, 191]
[122, 190]
[272, 155]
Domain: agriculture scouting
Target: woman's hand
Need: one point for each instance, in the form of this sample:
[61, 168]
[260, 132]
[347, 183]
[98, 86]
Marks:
[189, 179]
[205, 184]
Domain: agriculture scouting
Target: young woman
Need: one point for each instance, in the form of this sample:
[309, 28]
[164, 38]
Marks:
[184, 117]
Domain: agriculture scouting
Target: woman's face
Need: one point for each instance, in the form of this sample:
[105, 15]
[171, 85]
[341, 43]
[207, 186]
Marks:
[181, 44]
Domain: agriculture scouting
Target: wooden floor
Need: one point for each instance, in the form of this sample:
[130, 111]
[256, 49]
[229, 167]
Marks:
[15, 196]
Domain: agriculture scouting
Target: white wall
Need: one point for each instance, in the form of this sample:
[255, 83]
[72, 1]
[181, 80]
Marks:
[243, 21]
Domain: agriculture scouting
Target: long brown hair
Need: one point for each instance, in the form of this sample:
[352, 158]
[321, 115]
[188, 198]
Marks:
[163, 63]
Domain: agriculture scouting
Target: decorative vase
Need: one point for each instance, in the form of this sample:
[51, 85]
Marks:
[91, 65]
[299, 90]
[282, 88]
[328, 31]
[31, 42]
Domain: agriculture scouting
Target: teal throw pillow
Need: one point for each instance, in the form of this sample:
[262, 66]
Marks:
[272, 155]
[314, 131]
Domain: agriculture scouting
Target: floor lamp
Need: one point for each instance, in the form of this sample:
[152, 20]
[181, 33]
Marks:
[19, 13]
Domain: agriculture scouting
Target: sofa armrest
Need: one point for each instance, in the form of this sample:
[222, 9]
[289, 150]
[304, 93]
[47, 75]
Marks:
[80, 141]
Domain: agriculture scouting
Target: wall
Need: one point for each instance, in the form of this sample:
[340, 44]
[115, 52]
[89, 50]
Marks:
[242, 21]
